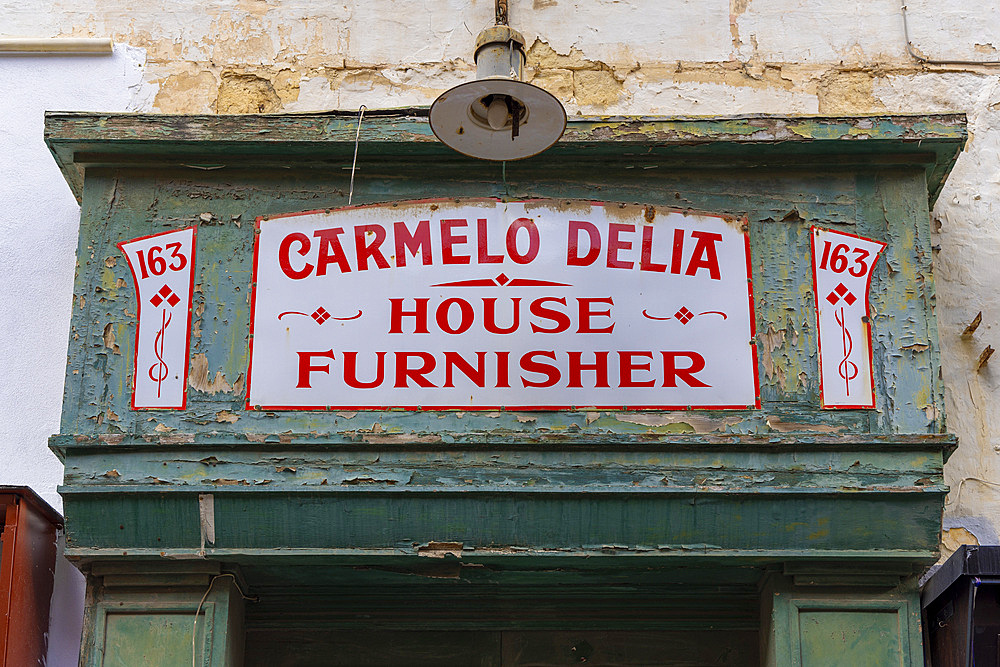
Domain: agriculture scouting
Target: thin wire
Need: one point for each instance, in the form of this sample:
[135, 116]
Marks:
[354, 165]
[503, 171]
[958, 494]
[930, 61]
[972, 619]
[194, 629]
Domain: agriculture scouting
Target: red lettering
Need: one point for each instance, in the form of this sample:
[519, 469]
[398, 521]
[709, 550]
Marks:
[306, 367]
[366, 250]
[646, 262]
[145, 271]
[351, 371]
[404, 372]
[529, 364]
[158, 265]
[405, 242]
[538, 309]
[482, 241]
[515, 227]
[464, 310]
[175, 253]
[490, 316]
[586, 312]
[704, 256]
[616, 245]
[576, 368]
[573, 257]
[671, 372]
[283, 258]
[330, 250]
[503, 374]
[449, 239]
[454, 360]
[419, 315]
[678, 252]
[626, 366]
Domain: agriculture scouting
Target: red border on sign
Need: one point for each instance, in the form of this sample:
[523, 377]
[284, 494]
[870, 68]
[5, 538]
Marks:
[489, 408]
[813, 231]
[753, 315]
[138, 314]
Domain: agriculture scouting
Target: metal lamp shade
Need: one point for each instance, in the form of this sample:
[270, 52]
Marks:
[458, 118]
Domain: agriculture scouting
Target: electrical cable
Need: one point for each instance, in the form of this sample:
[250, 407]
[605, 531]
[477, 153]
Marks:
[958, 493]
[354, 165]
[197, 612]
[931, 61]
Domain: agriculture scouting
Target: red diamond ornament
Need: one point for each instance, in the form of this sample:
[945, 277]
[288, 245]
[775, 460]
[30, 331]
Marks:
[165, 294]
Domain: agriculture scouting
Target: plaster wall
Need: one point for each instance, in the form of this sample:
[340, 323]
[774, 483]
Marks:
[598, 56]
[38, 229]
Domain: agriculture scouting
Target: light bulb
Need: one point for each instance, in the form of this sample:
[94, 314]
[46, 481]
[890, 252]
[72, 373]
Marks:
[497, 113]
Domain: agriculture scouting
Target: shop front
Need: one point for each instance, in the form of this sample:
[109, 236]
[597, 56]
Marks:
[667, 393]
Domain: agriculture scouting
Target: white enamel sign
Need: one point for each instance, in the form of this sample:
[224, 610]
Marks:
[842, 273]
[482, 304]
[163, 270]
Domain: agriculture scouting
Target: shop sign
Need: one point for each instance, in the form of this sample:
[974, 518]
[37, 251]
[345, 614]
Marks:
[163, 270]
[483, 304]
[842, 274]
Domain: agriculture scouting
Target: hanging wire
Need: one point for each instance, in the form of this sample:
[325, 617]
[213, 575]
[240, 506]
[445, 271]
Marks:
[197, 612]
[930, 61]
[354, 165]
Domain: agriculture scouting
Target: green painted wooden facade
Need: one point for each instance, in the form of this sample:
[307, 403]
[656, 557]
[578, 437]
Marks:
[788, 535]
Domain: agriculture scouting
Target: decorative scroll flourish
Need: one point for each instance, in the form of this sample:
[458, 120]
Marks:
[321, 315]
[683, 315]
[846, 369]
[160, 367]
[502, 281]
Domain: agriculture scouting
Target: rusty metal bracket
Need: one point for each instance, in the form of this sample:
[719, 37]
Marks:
[973, 325]
[501, 12]
[984, 357]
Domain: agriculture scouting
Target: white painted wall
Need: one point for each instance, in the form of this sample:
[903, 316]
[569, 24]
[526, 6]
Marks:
[38, 226]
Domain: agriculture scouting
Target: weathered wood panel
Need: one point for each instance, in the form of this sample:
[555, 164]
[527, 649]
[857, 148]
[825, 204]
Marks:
[118, 208]
[618, 533]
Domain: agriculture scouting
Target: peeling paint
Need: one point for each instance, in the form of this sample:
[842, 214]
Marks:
[440, 549]
[677, 422]
[771, 340]
[226, 417]
[198, 377]
[953, 538]
[246, 93]
[780, 426]
[110, 338]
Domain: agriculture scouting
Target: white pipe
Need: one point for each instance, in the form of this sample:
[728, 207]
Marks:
[56, 45]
